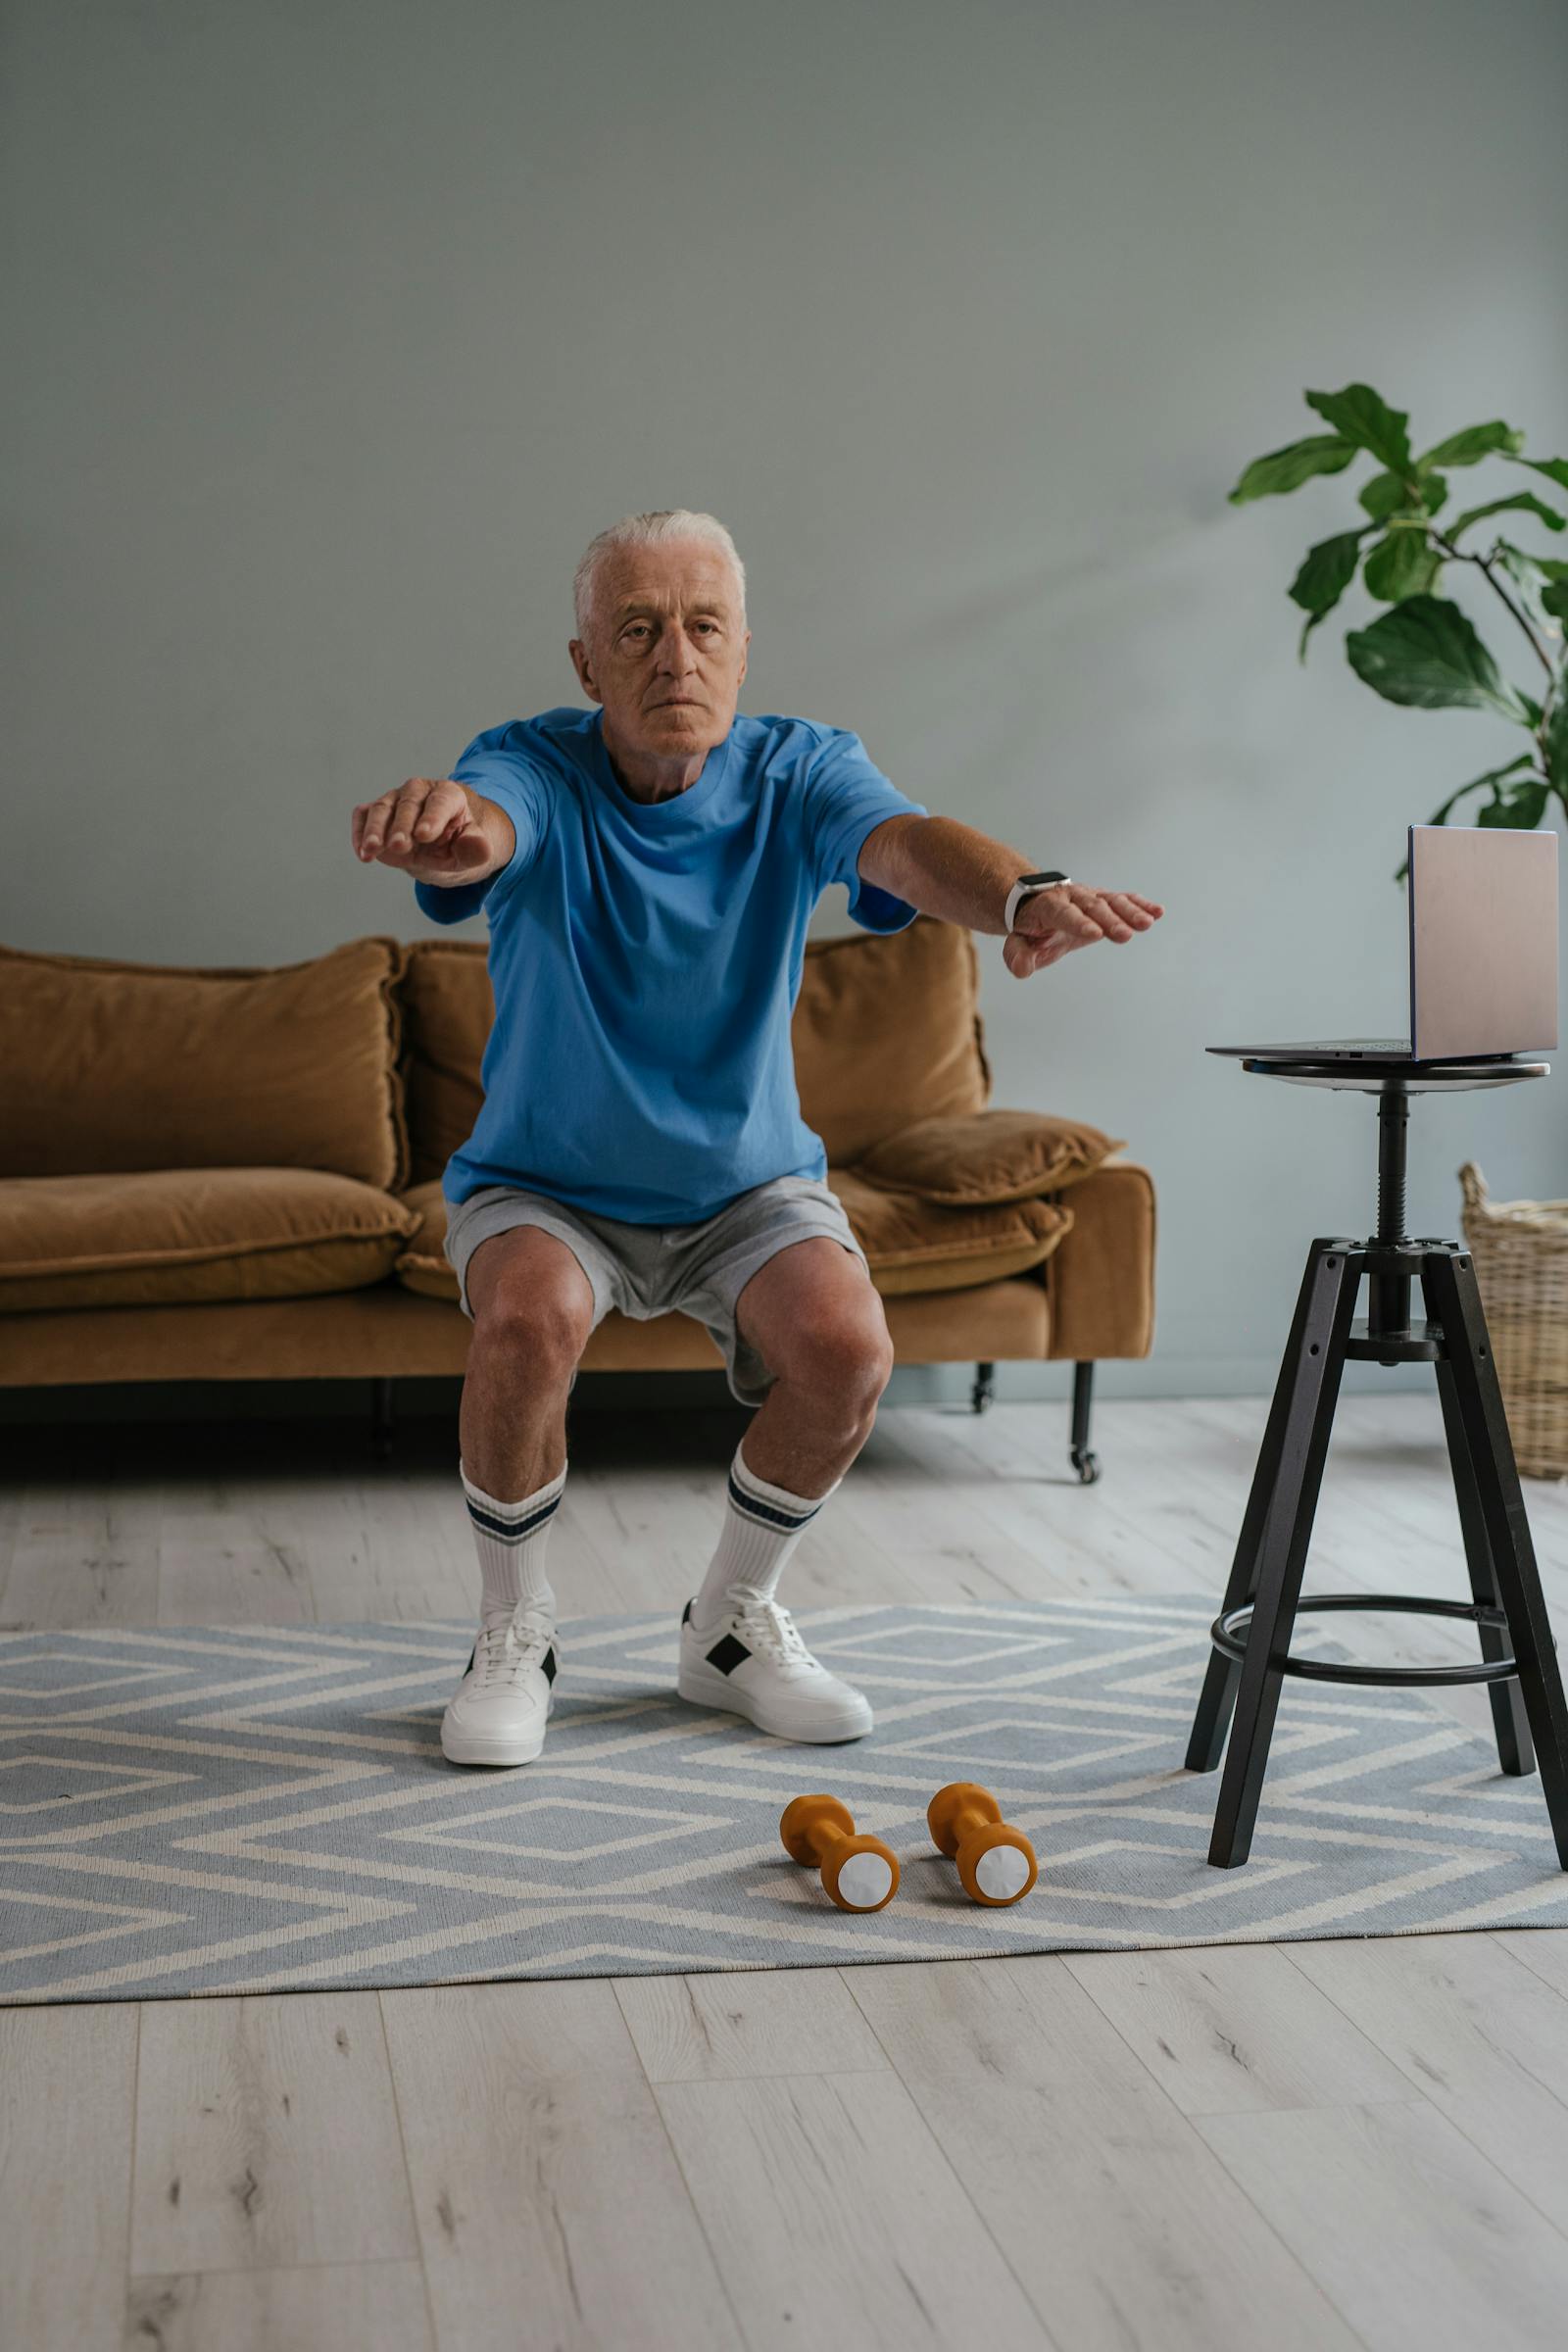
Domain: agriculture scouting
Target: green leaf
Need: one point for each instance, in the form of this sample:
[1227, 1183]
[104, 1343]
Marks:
[1527, 574]
[1424, 652]
[1363, 417]
[1522, 807]
[1555, 470]
[1439, 817]
[1326, 573]
[1388, 494]
[1475, 442]
[1554, 600]
[1401, 565]
[1525, 500]
[1555, 745]
[1289, 467]
[1382, 495]
[1493, 776]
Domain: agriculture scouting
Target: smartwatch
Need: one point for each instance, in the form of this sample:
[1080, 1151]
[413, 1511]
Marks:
[1025, 887]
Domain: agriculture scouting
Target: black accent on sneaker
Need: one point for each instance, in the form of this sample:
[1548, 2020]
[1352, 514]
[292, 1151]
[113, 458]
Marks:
[686, 1614]
[547, 1663]
[728, 1654]
[473, 1654]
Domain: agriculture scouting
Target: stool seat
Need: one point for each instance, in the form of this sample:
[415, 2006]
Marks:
[1251, 1638]
[1400, 1077]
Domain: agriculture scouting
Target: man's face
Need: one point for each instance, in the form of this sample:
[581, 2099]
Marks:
[669, 650]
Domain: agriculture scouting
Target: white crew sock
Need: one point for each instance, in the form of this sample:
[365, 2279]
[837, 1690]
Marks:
[763, 1525]
[511, 1538]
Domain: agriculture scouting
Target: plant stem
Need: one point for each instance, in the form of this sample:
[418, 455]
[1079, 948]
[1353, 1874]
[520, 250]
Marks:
[1458, 556]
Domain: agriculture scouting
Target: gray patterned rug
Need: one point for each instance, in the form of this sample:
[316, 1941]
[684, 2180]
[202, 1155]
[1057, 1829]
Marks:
[243, 1809]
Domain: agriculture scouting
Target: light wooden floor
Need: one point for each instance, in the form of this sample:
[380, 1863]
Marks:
[1298, 2147]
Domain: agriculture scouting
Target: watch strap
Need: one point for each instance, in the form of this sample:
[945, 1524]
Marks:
[1025, 888]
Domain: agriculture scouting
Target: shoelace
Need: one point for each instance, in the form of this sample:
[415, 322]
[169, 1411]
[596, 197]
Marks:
[771, 1631]
[503, 1651]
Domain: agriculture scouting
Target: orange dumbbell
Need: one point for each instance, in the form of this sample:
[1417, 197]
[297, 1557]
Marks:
[859, 1874]
[996, 1863]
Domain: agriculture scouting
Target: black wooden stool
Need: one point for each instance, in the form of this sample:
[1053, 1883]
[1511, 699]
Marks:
[1252, 1635]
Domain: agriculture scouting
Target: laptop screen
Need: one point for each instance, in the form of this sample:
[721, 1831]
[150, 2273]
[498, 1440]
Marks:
[1483, 913]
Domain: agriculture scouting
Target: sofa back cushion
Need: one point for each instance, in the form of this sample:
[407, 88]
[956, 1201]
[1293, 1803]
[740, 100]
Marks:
[886, 1030]
[448, 1006]
[109, 1067]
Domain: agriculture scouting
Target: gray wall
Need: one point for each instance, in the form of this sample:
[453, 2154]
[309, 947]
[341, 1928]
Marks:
[342, 329]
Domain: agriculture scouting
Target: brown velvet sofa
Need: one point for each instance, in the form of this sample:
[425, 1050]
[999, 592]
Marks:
[235, 1173]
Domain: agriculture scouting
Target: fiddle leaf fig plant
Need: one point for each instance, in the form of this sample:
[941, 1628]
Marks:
[1423, 651]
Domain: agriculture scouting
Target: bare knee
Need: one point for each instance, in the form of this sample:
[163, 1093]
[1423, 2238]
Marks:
[532, 1302]
[847, 1358]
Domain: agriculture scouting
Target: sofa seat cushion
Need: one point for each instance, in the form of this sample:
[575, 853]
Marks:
[987, 1156]
[107, 1066]
[163, 1235]
[910, 1244]
[422, 1262]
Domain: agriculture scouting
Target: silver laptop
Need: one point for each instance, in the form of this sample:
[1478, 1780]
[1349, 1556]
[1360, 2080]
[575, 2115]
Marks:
[1482, 906]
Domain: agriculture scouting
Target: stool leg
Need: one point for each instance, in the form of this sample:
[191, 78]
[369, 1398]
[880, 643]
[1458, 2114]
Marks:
[1218, 1696]
[1453, 1302]
[1508, 1718]
[1282, 1556]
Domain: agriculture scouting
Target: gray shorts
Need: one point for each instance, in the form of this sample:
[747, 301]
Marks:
[648, 1270]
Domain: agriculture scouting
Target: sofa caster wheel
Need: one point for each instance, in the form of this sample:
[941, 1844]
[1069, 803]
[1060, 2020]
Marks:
[1087, 1466]
[984, 1389]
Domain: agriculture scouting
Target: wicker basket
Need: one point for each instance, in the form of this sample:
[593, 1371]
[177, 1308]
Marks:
[1520, 1250]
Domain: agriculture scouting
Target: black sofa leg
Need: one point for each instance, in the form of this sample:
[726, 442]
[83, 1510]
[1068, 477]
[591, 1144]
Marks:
[984, 1389]
[381, 1428]
[1084, 1462]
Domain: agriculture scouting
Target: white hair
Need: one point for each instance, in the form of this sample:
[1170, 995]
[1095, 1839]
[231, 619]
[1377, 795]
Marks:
[655, 529]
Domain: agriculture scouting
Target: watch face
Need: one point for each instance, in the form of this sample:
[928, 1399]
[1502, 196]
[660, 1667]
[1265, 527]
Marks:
[1054, 874]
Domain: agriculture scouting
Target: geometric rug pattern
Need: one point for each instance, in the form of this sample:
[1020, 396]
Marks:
[217, 1809]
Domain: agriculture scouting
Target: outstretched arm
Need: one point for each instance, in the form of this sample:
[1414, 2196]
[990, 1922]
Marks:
[950, 869]
[435, 830]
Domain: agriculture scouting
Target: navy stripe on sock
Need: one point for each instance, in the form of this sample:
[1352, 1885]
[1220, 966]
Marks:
[768, 1514]
[510, 1531]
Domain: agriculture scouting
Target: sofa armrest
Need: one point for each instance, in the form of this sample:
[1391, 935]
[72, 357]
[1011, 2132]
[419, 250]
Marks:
[972, 1159]
[1100, 1280]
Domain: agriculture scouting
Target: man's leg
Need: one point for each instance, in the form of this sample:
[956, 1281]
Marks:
[533, 1314]
[813, 1314]
[533, 1310]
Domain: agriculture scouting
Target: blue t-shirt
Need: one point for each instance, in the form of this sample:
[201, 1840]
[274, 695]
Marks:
[646, 958]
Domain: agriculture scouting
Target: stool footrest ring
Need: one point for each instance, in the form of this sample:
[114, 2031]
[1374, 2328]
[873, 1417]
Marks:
[1230, 1629]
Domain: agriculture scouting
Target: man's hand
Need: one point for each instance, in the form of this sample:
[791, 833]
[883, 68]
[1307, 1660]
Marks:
[1069, 915]
[434, 830]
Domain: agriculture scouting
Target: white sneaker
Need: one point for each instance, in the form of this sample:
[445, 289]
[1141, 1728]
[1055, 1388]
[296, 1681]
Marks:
[753, 1662]
[496, 1713]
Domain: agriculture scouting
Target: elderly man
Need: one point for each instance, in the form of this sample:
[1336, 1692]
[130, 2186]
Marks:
[648, 867]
